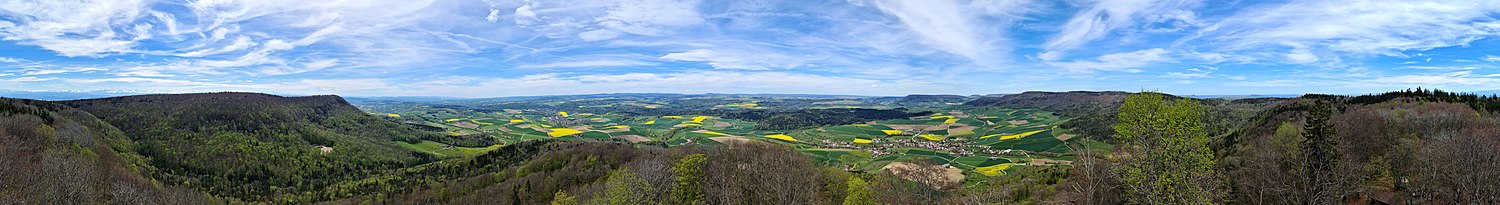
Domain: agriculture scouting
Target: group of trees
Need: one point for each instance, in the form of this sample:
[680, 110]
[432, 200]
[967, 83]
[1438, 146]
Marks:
[52, 154]
[1313, 150]
[257, 147]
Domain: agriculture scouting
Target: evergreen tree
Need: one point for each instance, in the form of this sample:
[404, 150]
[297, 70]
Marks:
[1320, 151]
[1171, 162]
[689, 189]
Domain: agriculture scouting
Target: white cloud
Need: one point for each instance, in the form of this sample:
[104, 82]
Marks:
[27, 79]
[607, 19]
[589, 64]
[1357, 26]
[1103, 17]
[1451, 78]
[1124, 62]
[679, 82]
[1301, 56]
[943, 24]
[737, 59]
[1187, 75]
[1267, 83]
[73, 28]
[1491, 58]
[1441, 67]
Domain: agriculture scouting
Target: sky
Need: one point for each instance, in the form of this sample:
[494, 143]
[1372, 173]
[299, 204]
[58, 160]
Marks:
[491, 48]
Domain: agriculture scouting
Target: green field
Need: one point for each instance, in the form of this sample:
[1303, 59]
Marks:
[438, 149]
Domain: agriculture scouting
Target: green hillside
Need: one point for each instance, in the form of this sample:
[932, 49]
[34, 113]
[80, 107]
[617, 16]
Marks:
[257, 146]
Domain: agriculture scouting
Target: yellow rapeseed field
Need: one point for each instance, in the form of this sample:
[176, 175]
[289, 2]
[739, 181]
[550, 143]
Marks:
[996, 170]
[619, 127]
[517, 121]
[650, 122]
[452, 120]
[932, 137]
[393, 115]
[783, 137]
[564, 114]
[1015, 136]
[699, 119]
[892, 132]
[560, 132]
[716, 133]
[950, 121]
[672, 117]
[862, 141]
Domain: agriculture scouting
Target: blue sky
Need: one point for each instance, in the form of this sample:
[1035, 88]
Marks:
[483, 48]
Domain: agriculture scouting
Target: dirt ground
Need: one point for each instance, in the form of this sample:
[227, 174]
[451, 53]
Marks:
[949, 178]
[631, 138]
[1048, 161]
[1017, 122]
[727, 140]
[1065, 137]
[961, 128]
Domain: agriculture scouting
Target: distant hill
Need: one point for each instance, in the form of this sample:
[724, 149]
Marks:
[1075, 102]
[53, 154]
[254, 146]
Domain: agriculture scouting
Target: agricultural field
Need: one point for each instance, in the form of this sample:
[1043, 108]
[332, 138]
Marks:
[982, 142]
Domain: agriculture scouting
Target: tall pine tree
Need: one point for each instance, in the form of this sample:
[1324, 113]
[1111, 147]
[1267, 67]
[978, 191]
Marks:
[1320, 149]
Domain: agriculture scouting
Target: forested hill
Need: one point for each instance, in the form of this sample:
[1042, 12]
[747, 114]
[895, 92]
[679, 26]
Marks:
[256, 146]
[53, 154]
[1075, 102]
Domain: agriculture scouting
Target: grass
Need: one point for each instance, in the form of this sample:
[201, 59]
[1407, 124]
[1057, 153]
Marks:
[436, 148]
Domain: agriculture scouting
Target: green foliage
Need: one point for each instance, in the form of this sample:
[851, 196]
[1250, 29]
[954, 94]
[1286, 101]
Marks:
[562, 198]
[1171, 162]
[859, 193]
[623, 187]
[258, 147]
[689, 189]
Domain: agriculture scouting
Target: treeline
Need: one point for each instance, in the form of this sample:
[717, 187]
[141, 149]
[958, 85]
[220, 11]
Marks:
[1477, 102]
[577, 172]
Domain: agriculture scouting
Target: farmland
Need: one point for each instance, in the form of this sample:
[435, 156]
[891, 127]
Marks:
[981, 141]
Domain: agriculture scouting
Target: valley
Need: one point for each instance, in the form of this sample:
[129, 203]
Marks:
[949, 134]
